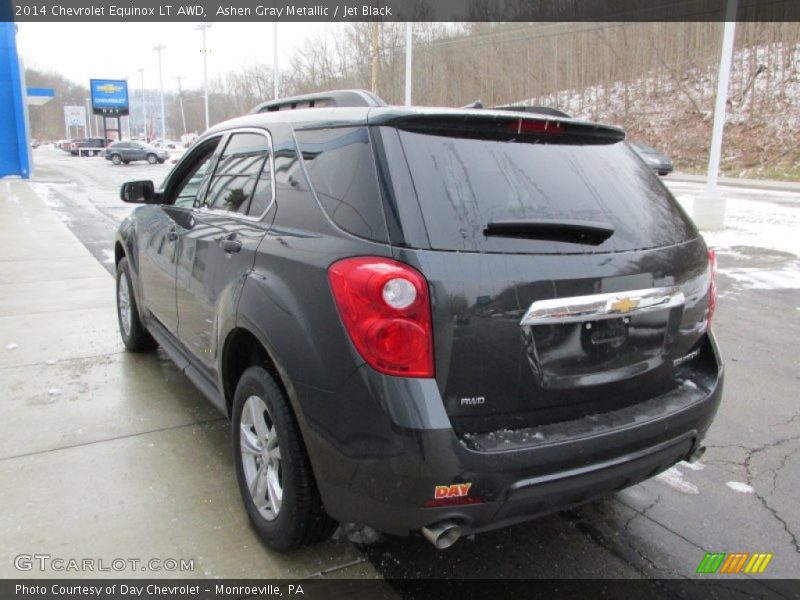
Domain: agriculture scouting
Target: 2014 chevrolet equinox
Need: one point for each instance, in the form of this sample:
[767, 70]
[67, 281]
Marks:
[425, 319]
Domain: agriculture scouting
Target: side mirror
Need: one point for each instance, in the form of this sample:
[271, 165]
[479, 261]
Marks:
[137, 192]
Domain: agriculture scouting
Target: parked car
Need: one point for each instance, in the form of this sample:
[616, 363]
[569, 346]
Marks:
[125, 152]
[167, 144]
[424, 320]
[88, 146]
[657, 161]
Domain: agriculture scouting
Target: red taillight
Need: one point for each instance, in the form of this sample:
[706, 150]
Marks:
[712, 288]
[385, 308]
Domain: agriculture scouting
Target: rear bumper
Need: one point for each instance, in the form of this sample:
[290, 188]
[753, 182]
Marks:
[384, 475]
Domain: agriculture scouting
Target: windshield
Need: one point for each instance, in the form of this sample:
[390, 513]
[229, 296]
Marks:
[464, 184]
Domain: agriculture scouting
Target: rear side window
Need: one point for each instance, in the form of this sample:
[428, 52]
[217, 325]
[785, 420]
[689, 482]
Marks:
[341, 168]
[464, 184]
[242, 174]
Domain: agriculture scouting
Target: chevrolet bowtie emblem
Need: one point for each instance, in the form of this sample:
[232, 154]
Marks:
[624, 305]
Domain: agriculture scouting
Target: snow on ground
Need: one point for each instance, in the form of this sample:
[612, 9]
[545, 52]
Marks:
[738, 486]
[760, 224]
[757, 222]
[674, 479]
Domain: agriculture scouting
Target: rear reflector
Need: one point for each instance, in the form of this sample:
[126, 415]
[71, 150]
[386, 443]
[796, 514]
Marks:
[456, 501]
[712, 288]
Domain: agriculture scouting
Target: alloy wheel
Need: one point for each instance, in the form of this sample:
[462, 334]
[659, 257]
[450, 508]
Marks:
[261, 457]
[124, 302]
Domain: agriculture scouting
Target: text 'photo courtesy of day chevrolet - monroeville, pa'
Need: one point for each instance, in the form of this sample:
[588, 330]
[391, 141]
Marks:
[399, 299]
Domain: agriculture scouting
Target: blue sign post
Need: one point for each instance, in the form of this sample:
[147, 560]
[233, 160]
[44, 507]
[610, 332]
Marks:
[14, 151]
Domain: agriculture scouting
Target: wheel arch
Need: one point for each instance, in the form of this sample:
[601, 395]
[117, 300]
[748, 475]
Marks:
[243, 349]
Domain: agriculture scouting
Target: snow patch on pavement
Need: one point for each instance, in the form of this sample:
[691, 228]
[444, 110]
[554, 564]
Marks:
[765, 279]
[674, 479]
[738, 486]
[757, 223]
[695, 466]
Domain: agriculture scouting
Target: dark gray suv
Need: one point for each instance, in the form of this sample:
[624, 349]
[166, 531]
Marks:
[125, 152]
[425, 320]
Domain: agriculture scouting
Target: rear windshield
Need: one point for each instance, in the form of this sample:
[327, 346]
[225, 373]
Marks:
[462, 184]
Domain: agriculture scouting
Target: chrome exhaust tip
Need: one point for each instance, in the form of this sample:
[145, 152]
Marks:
[697, 454]
[442, 535]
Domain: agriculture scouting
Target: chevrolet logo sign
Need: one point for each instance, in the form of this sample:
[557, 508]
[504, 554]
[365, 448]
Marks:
[109, 88]
[624, 305]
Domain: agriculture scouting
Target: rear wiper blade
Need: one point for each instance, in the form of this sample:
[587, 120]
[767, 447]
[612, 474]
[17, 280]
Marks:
[592, 233]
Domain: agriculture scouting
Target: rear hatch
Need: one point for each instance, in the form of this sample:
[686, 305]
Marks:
[565, 279]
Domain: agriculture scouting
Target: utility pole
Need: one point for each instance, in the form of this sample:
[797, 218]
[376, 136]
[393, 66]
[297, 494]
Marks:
[158, 49]
[375, 31]
[180, 100]
[144, 107]
[203, 27]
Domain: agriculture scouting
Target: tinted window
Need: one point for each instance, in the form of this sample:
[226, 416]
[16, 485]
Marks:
[342, 171]
[237, 172]
[463, 184]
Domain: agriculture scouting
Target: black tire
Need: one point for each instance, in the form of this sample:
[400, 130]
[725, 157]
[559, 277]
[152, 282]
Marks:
[663, 173]
[301, 520]
[152, 159]
[136, 338]
[116, 159]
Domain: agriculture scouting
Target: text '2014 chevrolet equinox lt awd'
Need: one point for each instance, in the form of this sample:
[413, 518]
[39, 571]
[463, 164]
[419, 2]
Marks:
[435, 320]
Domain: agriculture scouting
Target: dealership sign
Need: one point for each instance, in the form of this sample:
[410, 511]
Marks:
[75, 116]
[109, 96]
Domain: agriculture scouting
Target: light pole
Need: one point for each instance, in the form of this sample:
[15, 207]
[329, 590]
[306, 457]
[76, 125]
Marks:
[88, 126]
[275, 60]
[409, 51]
[180, 99]
[144, 107]
[202, 27]
[158, 49]
[708, 211]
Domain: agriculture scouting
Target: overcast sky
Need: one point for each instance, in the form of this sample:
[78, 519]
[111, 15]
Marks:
[82, 51]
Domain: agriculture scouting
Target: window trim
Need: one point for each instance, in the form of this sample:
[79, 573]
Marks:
[203, 208]
[181, 168]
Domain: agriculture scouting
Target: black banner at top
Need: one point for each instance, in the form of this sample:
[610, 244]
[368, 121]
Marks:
[393, 10]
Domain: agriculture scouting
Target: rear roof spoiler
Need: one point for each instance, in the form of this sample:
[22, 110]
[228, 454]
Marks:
[334, 98]
[480, 123]
[537, 110]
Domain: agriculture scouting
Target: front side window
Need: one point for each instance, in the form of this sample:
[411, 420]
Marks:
[188, 190]
[236, 178]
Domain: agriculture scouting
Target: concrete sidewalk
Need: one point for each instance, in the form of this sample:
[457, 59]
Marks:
[106, 454]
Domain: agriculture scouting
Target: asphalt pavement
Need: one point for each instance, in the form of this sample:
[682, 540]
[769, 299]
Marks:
[134, 431]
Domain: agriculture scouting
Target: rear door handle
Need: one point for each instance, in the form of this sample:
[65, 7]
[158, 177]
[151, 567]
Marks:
[230, 244]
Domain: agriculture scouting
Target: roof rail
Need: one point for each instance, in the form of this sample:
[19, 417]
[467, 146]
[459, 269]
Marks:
[539, 110]
[334, 98]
